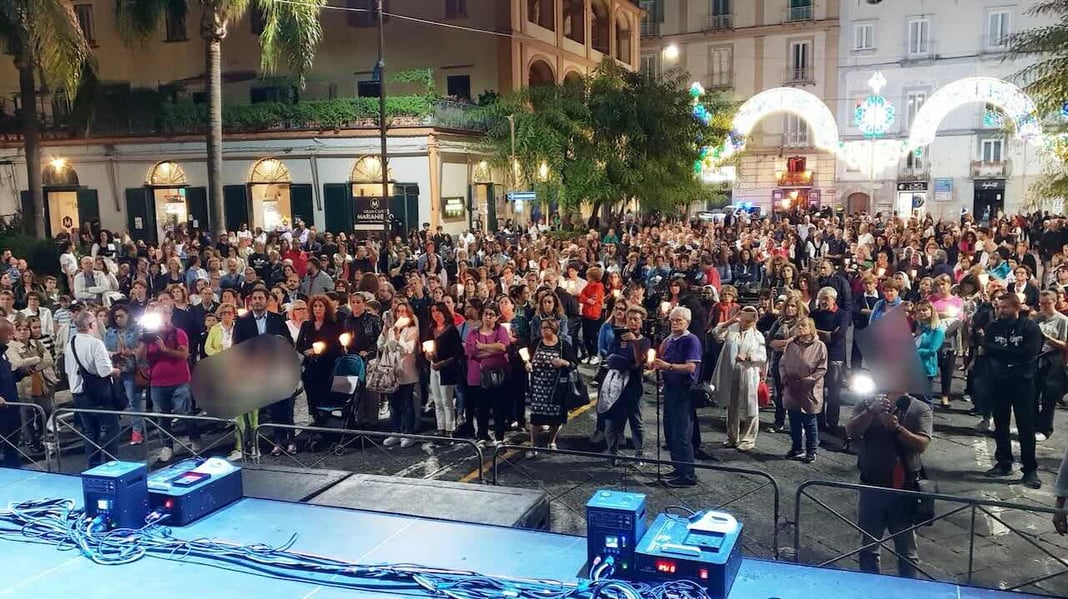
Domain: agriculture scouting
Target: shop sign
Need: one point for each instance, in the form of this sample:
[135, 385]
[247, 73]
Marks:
[990, 185]
[943, 189]
[452, 207]
[369, 213]
[912, 186]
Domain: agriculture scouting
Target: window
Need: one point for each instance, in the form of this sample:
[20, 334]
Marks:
[368, 89]
[175, 24]
[992, 117]
[796, 131]
[992, 150]
[365, 12]
[998, 29]
[913, 101]
[719, 14]
[919, 37]
[864, 36]
[654, 15]
[84, 13]
[720, 66]
[459, 86]
[258, 95]
[800, 10]
[917, 160]
[800, 59]
[650, 64]
[455, 9]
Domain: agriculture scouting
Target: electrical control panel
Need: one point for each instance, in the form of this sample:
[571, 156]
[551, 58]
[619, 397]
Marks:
[615, 522]
[117, 492]
[705, 548]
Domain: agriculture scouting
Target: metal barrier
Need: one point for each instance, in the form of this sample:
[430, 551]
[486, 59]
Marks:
[989, 508]
[353, 436]
[12, 439]
[150, 418]
[633, 475]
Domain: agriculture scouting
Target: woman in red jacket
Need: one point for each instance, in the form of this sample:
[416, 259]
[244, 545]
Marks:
[592, 301]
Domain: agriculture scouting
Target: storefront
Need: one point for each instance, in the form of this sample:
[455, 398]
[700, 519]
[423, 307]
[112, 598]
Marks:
[989, 199]
[67, 204]
[165, 202]
[269, 200]
[795, 190]
[911, 198]
[358, 206]
[484, 200]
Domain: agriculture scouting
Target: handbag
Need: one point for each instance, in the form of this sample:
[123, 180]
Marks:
[575, 393]
[382, 373]
[491, 378]
[105, 389]
[763, 395]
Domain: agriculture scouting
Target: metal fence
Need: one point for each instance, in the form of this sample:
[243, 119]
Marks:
[214, 438]
[577, 483]
[992, 553]
[340, 442]
[13, 439]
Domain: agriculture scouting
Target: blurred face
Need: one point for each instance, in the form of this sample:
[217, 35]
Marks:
[1007, 309]
[825, 302]
[804, 330]
[121, 318]
[22, 333]
[547, 303]
[547, 332]
[634, 321]
[356, 304]
[35, 329]
[943, 287]
[825, 269]
[250, 274]
[227, 314]
[924, 312]
[1022, 276]
[490, 318]
[790, 309]
[678, 324]
[437, 316]
[258, 301]
[890, 294]
[319, 310]
[1047, 304]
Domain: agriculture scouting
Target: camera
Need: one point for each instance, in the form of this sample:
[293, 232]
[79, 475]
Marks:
[151, 326]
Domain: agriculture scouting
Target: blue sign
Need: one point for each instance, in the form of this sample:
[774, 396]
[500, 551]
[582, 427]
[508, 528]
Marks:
[1064, 110]
[526, 196]
[943, 185]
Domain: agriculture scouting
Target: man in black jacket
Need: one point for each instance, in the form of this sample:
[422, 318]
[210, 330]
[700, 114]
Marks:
[1012, 343]
[830, 277]
[257, 322]
[832, 322]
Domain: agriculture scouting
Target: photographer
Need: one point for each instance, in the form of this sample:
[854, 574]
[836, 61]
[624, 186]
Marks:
[893, 434]
[166, 349]
[86, 354]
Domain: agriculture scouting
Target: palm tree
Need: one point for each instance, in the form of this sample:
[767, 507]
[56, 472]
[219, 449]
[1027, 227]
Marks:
[46, 41]
[291, 33]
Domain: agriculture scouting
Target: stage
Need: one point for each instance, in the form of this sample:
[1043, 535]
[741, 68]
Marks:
[44, 572]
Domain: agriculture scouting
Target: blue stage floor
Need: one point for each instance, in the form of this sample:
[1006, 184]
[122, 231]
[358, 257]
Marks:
[42, 572]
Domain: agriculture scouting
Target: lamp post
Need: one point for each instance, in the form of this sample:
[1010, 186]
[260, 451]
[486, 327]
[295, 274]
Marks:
[382, 125]
[875, 115]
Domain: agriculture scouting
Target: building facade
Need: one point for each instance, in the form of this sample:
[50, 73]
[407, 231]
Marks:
[742, 48]
[947, 72]
[139, 163]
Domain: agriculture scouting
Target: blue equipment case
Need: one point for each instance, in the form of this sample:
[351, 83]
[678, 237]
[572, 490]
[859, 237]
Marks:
[615, 522]
[705, 548]
[118, 492]
[193, 488]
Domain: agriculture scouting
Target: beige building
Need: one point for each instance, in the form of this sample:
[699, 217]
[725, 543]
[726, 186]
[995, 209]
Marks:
[744, 47]
[139, 163]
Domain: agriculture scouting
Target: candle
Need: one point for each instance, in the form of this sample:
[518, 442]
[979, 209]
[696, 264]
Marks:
[616, 293]
[460, 289]
[665, 307]
[318, 347]
[525, 354]
[345, 339]
[952, 311]
[428, 346]
[650, 356]
[241, 312]
[507, 327]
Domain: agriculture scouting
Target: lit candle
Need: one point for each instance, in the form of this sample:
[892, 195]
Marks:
[665, 307]
[345, 339]
[318, 347]
[460, 289]
[616, 293]
[952, 311]
[525, 354]
[241, 312]
[650, 356]
[507, 327]
[428, 346]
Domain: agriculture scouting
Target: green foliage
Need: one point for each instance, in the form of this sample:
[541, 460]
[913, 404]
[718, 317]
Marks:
[41, 254]
[422, 76]
[186, 117]
[613, 136]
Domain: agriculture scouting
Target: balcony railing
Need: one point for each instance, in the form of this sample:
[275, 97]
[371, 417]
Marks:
[914, 173]
[721, 81]
[720, 22]
[991, 170]
[650, 28]
[799, 13]
[800, 75]
[795, 139]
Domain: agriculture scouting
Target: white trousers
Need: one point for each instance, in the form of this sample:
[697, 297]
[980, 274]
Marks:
[444, 399]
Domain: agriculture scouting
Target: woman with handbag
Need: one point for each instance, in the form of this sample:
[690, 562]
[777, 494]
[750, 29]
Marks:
[397, 345]
[487, 371]
[24, 352]
[121, 339]
[550, 366]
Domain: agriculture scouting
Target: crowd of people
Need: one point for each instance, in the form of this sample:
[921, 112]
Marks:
[485, 331]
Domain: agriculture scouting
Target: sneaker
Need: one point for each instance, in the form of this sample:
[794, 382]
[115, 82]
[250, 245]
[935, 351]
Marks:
[136, 438]
[1031, 480]
[809, 458]
[983, 426]
[391, 441]
[730, 444]
[553, 446]
[966, 397]
[999, 471]
[595, 360]
[597, 436]
[679, 483]
[165, 455]
[531, 454]
[405, 443]
[235, 456]
[255, 453]
[291, 449]
[1040, 437]
[794, 454]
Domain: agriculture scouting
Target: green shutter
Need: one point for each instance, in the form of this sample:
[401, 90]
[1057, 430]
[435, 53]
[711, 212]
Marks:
[300, 202]
[139, 205]
[196, 204]
[88, 208]
[658, 11]
[235, 198]
[491, 209]
[337, 203]
[27, 212]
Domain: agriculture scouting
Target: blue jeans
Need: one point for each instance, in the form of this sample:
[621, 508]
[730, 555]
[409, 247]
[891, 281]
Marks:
[806, 423]
[401, 410]
[137, 402]
[175, 399]
[678, 428]
[100, 430]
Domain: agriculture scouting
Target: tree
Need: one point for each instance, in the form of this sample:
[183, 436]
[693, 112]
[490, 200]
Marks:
[47, 42]
[291, 33]
[607, 138]
[1046, 80]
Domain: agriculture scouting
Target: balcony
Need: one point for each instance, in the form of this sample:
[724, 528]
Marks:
[914, 173]
[991, 170]
[720, 22]
[800, 75]
[798, 14]
[650, 29]
[720, 81]
[796, 139]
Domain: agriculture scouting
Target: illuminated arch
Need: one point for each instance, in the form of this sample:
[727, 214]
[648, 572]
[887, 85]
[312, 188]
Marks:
[797, 101]
[988, 90]
[269, 170]
[368, 170]
[59, 173]
[167, 174]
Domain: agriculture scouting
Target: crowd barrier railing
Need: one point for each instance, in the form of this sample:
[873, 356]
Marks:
[635, 474]
[152, 420]
[992, 511]
[13, 438]
[362, 438]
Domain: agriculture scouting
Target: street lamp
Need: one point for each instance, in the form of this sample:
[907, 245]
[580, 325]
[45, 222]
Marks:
[543, 171]
[671, 52]
[382, 125]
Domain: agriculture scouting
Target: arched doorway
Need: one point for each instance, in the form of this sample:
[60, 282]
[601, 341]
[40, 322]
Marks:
[858, 202]
[572, 78]
[67, 204]
[540, 73]
[268, 184]
[600, 27]
[165, 202]
[623, 38]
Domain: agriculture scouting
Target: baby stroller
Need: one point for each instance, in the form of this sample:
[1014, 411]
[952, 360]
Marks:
[339, 411]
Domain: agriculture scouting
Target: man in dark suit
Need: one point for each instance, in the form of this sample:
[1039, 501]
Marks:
[258, 322]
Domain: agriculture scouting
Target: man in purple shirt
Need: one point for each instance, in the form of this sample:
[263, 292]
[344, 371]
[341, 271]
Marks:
[680, 362]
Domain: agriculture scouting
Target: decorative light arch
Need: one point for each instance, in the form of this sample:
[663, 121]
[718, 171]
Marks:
[167, 174]
[988, 90]
[368, 170]
[269, 170]
[804, 104]
[59, 173]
